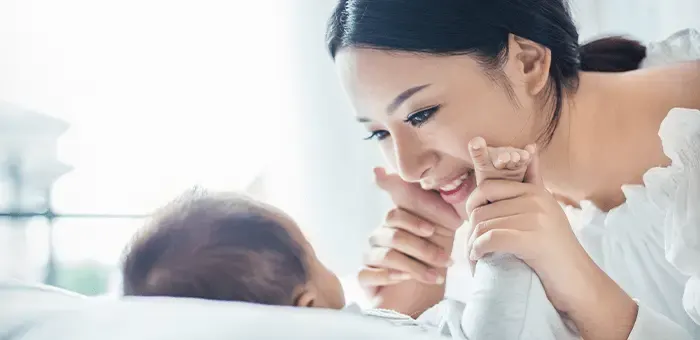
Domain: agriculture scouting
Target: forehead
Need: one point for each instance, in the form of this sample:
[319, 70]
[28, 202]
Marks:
[373, 74]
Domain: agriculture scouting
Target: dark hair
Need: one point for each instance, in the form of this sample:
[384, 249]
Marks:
[215, 246]
[480, 28]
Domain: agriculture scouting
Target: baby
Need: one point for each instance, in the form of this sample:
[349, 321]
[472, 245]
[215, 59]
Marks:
[224, 246]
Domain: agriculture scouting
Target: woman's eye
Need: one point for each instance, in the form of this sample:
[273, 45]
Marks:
[419, 118]
[378, 135]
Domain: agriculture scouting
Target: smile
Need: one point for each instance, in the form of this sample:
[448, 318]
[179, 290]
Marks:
[458, 190]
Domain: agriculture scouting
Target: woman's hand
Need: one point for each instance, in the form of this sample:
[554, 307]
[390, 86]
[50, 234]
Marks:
[525, 220]
[406, 265]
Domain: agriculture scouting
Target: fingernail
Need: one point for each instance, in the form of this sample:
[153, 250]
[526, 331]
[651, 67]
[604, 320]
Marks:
[399, 276]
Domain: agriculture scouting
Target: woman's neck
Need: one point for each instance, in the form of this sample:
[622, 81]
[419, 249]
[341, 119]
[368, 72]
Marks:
[592, 152]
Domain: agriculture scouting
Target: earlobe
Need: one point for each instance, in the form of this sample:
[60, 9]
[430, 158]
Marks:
[533, 62]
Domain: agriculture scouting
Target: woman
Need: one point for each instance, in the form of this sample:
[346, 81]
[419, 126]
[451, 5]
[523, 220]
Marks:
[426, 77]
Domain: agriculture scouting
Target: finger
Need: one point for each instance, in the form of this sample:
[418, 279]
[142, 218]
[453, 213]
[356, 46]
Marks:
[370, 277]
[498, 241]
[379, 173]
[409, 244]
[381, 178]
[402, 219]
[426, 204]
[515, 222]
[480, 154]
[392, 259]
[503, 208]
[533, 174]
[494, 190]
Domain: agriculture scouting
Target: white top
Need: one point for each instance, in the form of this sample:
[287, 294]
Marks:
[650, 245]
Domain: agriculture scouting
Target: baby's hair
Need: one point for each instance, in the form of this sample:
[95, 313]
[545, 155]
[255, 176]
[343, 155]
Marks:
[218, 246]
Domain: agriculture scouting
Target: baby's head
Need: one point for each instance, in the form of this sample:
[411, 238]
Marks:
[223, 246]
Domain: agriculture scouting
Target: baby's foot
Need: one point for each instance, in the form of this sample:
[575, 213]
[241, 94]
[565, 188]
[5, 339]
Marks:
[498, 163]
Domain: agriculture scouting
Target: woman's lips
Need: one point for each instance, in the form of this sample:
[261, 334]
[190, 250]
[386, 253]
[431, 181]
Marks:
[458, 190]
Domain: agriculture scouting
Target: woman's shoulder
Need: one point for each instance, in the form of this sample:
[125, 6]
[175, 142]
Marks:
[679, 133]
[681, 46]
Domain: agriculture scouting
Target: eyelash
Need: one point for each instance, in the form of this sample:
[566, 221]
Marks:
[416, 119]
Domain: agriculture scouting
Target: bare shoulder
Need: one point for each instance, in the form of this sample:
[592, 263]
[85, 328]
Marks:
[685, 78]
[666, 87]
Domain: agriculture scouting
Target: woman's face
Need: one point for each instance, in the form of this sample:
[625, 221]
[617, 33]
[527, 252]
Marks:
[423, 110]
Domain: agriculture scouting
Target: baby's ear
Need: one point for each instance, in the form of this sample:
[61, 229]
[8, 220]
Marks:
[305, 297]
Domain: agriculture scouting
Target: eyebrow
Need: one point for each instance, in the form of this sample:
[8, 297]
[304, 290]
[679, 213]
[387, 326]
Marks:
[403, 97]
[400, 99]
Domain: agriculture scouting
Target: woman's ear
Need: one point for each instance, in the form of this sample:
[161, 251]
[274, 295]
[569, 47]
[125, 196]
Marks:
[305, 298]
[533, 61]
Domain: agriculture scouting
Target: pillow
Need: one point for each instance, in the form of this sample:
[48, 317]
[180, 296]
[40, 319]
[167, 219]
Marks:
[31, 312]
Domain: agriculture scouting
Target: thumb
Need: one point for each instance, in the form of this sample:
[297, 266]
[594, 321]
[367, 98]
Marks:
[533, 174]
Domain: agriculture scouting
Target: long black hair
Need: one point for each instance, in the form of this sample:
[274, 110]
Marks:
[480, 28]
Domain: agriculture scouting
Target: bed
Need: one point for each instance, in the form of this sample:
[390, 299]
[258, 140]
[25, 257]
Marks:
[36, 312]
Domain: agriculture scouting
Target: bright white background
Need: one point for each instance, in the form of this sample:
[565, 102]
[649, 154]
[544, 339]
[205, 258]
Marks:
[162, 95]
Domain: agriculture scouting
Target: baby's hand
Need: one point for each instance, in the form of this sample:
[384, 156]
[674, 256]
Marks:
[499, 163]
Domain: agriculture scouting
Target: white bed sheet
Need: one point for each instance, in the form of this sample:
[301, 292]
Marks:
[30, 312]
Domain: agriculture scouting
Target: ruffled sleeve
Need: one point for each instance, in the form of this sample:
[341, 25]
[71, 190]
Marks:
[680, 136]
[681, 46]
[682, 232]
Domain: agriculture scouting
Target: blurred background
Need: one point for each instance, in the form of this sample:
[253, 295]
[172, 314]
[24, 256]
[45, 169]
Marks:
[108, 109]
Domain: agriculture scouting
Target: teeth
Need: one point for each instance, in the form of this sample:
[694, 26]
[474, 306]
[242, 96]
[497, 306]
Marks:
[455, 184]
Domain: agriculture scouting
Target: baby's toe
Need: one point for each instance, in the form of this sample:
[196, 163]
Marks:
[480, 154]
[501, 159]
[525, 158]
[514, 160]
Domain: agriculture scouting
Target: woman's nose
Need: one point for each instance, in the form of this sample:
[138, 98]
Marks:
[413, 161]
